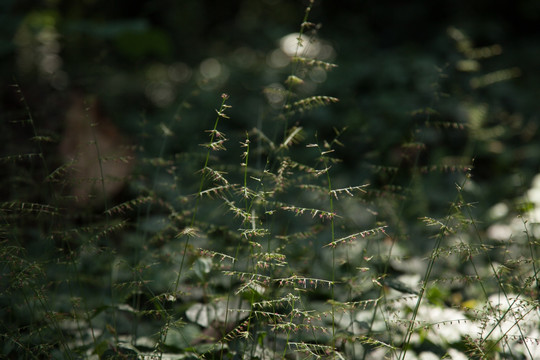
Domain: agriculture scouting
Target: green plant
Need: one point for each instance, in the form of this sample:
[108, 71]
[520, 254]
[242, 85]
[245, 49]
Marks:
[270, 248]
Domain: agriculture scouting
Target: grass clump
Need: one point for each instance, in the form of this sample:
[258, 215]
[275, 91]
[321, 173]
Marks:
[264, 247]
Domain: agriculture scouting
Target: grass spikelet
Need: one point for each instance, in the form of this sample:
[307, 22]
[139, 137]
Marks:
[314, 63]
[263, 247]
[348, 190]
[359, 235]
[310, 103]
[18, 207]
[128, 206]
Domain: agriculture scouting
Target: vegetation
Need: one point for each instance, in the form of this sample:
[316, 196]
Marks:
[282, 225]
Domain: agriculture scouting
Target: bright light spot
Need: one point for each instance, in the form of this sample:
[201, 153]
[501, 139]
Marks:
[212, 74]
[275, 94]
[278, 59]
[498, 211]
[536, 181]
[294, 44]
[160, 93]
[535, 229]
[457, 355]
[534, 195]
[327, 52]
[468, 65]
[179, 72]
[210, 68]
[534, 216]
[499, 232]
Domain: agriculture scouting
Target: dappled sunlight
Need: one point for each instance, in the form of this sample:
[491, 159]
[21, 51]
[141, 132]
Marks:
[223, 180]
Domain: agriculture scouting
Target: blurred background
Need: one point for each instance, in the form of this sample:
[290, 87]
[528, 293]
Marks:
[429, 93]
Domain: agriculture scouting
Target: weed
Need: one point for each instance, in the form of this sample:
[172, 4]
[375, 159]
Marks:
[263, 248]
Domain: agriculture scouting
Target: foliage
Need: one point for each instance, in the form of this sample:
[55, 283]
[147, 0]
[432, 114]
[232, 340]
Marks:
[310, 235]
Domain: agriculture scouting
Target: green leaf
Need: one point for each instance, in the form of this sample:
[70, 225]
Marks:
[202, 267]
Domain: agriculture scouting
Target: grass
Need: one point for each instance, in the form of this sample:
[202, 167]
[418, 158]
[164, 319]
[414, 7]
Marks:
[272, 254]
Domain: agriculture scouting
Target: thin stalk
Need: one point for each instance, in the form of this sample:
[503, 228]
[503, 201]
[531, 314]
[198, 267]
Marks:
[220, 114]
[425, 281]
[201, 184]
[333, 238]
[247, 206]
[499, 281]
[38, 295]
[289, 331]
[164, 143]
[295, 65]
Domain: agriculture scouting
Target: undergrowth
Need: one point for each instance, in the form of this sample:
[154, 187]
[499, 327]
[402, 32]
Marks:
[270, 255]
